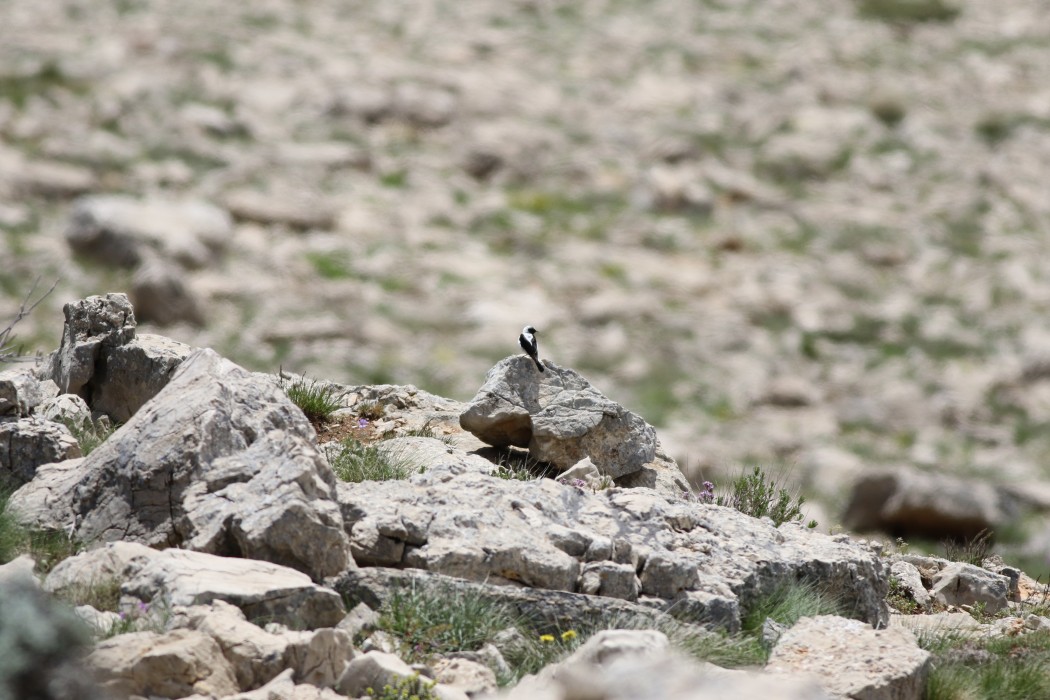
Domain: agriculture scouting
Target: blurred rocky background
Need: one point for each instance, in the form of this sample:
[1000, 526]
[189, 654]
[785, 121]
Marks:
[811, 236]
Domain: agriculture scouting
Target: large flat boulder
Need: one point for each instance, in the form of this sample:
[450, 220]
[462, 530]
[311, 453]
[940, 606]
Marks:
[171, 665]
[630, 543]
[906, 502]
[853, 660]
[177, 577]
[220, 461]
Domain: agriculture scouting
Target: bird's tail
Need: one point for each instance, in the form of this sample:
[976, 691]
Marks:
[538, 365]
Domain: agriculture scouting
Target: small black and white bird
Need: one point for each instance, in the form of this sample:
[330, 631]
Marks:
[528, 343]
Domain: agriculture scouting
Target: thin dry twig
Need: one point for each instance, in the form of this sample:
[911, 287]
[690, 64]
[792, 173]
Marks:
[8, 351]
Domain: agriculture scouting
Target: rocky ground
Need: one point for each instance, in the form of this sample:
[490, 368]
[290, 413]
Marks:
[803, 234]
[215, 545]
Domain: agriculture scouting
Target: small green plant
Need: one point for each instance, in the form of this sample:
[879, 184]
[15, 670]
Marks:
[514, 473]
[908, 11]
[899, 598]
[430, 622]
[407, 688]
[371, 410]
[428, 432]
[46, 547]
[759, 496]
[972, 550]
[316, 400]
[102, 594]
[357, 462]
[90, 434]
[1016, 669]
[789, 602]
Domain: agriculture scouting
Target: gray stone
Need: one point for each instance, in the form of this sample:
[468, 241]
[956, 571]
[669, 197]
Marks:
[360, 619]
[712, 560]
[67, 409]
[28, 443]
[559, 416]
[122, 231]
[92, 325]
[255, 655]
[661, 676]
[661, 474]
[50, 178]
[286, 210]
[134, 373]
[177, 577]
[161, 295]
[19, 570]
[907, 502]
[45, 501]
[467, 676]
[172, 665]
[966, 584]
[610, 579]
[852, 659]
[910, 579]
[373, 669]
[219, 461]
[22, 390]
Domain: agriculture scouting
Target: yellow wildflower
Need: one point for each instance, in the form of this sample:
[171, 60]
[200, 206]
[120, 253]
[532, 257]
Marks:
[546, 638]
[568, 635]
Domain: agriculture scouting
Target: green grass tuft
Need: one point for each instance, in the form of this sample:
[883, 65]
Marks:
[427, 623]
[46, 547]
[759, 496]
[357, 462]
[408, 688]
[316, 400]
[790, 602]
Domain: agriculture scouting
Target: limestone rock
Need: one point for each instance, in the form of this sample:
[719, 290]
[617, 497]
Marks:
[540, 532]
[260, 589]
[92, 325]
[966, 584]
[67, 409]
[661, 676]
[319, 657]
[122, 231]
[172, 665]
[161, 294]
[373, 669]
[220, 461]
[559, 416]
[176, 577]
[283, 687]
[28, 443]
[21, 391]
[18, 570]
[906, 502]
[255, 655]
[297, 213]
[361, 618]
[470, 677]
[852, 659]
[910, 580]
[52, 178]
[134, 373]
[45, 501]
